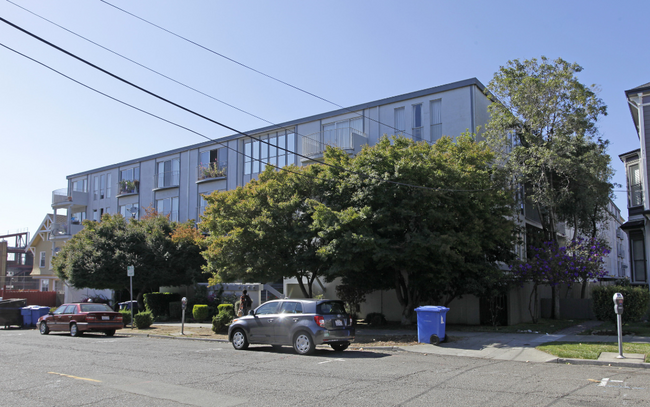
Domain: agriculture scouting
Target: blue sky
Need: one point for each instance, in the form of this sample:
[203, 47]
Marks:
[348, 52]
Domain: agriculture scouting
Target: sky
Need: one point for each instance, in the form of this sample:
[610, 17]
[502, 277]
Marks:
[346, 52]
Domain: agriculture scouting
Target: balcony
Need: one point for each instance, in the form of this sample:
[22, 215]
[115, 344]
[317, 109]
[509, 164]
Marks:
[211, 171]
[346, 138]
[62, 198]
[127, 187]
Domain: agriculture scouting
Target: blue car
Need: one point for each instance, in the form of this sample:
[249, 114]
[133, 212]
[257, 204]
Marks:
[301, 323]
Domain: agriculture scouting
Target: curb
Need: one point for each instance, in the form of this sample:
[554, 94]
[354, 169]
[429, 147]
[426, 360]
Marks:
[599, 363]
[174, 337]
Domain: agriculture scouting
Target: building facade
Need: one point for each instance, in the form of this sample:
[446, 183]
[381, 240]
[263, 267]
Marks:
[636, 169]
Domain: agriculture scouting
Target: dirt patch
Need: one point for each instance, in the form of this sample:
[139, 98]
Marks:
[205, 332]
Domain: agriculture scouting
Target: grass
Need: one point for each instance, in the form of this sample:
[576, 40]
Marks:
[610, 328]
[592, 350]
[542, 326]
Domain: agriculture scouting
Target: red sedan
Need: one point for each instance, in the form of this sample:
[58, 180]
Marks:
[81, 317]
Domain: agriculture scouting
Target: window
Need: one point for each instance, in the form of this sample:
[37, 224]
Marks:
[95, 215]
[95, 188]
[168, 174]
[435, 107]
[637, 243]
[102, 186]
[213, 163]
[129, 181]
[78, 217]
[635, 197]
[41, 262]
[80, 186]
[45, 285]
[291, 308]
[276, 149]
[268, 308]
[129, 211]
[417, 122]
[168, 207]
[202, 205]
[339, 134]
[400, 121]
[108, 186]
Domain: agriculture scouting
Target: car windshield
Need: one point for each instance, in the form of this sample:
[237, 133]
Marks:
[331, 307]
[89, 307]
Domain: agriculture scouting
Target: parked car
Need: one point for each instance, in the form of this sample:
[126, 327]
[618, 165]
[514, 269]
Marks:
[301, 323]
[81, 317]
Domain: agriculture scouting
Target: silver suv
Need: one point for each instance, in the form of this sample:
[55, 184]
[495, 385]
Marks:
[301, 323]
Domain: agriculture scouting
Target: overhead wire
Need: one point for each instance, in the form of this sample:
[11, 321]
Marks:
[212, 120]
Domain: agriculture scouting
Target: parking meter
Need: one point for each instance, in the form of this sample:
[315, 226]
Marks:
[618, 309]
[183, 305]
[184, 302]
[618, 303]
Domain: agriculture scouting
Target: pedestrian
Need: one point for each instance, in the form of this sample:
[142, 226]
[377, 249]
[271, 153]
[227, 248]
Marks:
[245, 303]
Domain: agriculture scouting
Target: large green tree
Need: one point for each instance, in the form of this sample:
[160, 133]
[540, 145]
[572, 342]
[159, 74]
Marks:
[163, 253]
[430, 221]
[263, 231]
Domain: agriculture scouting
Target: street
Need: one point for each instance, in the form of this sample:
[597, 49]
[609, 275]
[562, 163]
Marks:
[58, 370]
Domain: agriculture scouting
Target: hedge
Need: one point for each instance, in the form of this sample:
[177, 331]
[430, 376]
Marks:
[126, 316]
[158, 303]
[143, 320]
[635, 305]
[229, 308]
[200, 312]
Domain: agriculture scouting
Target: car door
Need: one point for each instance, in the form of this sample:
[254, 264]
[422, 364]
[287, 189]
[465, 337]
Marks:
[261, 326]
[53, 321]
[63, 323]
[288, 318]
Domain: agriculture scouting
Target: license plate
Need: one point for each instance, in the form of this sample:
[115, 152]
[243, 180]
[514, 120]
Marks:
[105, 318]
[338, 322]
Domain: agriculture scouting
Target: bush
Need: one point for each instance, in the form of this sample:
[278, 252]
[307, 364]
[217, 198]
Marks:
[200, 312]
[228, 308]
[143, 320]
[375, 319]
[158, 303]
[636, 300]
[175, 310]
[126, 316]
[221, 320]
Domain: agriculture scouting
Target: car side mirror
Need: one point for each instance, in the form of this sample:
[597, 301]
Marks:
[50, 313]
[251, 312]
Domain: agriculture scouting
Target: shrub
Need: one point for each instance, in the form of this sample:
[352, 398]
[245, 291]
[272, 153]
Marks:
[126, 316]
[229, 308]
[175, 310]
[375, 319]
[636, 300]
[200, 312]
[158, 303]
[221, 320]
[143, 320]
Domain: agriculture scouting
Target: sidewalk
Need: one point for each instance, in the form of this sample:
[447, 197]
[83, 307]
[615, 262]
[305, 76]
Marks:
[521, 347]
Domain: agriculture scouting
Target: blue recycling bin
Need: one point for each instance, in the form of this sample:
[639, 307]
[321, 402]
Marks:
[26, 312]
[431, 323]
[37, 312]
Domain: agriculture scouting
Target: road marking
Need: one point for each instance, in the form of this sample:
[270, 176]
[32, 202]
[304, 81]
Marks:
[75, 377]
[207, 350]
[331, 360]
[603, 382]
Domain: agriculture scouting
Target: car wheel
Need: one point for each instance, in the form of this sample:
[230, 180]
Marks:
[110, 332]
[74, 331]
[340, 346]
[43, 328]
[239, 340]
[303, 344]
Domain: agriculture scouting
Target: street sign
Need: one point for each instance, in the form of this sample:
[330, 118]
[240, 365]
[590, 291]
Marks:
[130, 271]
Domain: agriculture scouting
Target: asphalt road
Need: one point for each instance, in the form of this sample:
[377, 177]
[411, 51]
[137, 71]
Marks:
[58, 370]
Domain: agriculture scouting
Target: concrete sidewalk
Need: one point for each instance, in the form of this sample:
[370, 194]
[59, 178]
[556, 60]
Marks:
[521, 346]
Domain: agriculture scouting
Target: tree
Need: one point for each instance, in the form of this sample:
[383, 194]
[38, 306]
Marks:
[555, 152]
[429, 221]
[163, 253]
[263, 231]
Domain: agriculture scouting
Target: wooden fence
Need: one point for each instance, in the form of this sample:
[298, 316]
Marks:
[34, 297]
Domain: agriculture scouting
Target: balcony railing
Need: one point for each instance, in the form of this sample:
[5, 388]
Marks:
[59, 229]
[126, 187]
[212, 170]
[62, 196]
[346, 138]
[166, 179]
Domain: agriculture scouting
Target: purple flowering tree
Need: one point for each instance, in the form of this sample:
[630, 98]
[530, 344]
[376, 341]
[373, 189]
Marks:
[578, 262]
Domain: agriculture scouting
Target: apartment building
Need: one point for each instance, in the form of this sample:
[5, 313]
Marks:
[636, 168]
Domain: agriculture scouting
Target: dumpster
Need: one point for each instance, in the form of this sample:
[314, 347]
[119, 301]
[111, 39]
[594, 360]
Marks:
[26, 312]
[431, 323]
[10, 312]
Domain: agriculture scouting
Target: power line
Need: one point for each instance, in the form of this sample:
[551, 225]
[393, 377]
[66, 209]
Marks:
[251, 68]
[207, 118]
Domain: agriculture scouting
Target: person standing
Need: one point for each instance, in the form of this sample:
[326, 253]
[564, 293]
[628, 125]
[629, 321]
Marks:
[245, 303]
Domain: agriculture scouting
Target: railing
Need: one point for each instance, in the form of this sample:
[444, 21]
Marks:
[172, 215]
[166, 179]
[59, 229]
[212, 170]
[314, 144]
[60, 195]
[125, 187]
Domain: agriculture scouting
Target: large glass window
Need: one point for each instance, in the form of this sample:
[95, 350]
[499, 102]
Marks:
[129, 211]
[417, 122]
[636, 186]
[168, 207]
[129, 181]
[400, 121]
[276, 149]
[102, 186]
[80, 185]
[213, 163]
[637, 242]
[95, 188]
[436, 119]
[168, 174]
